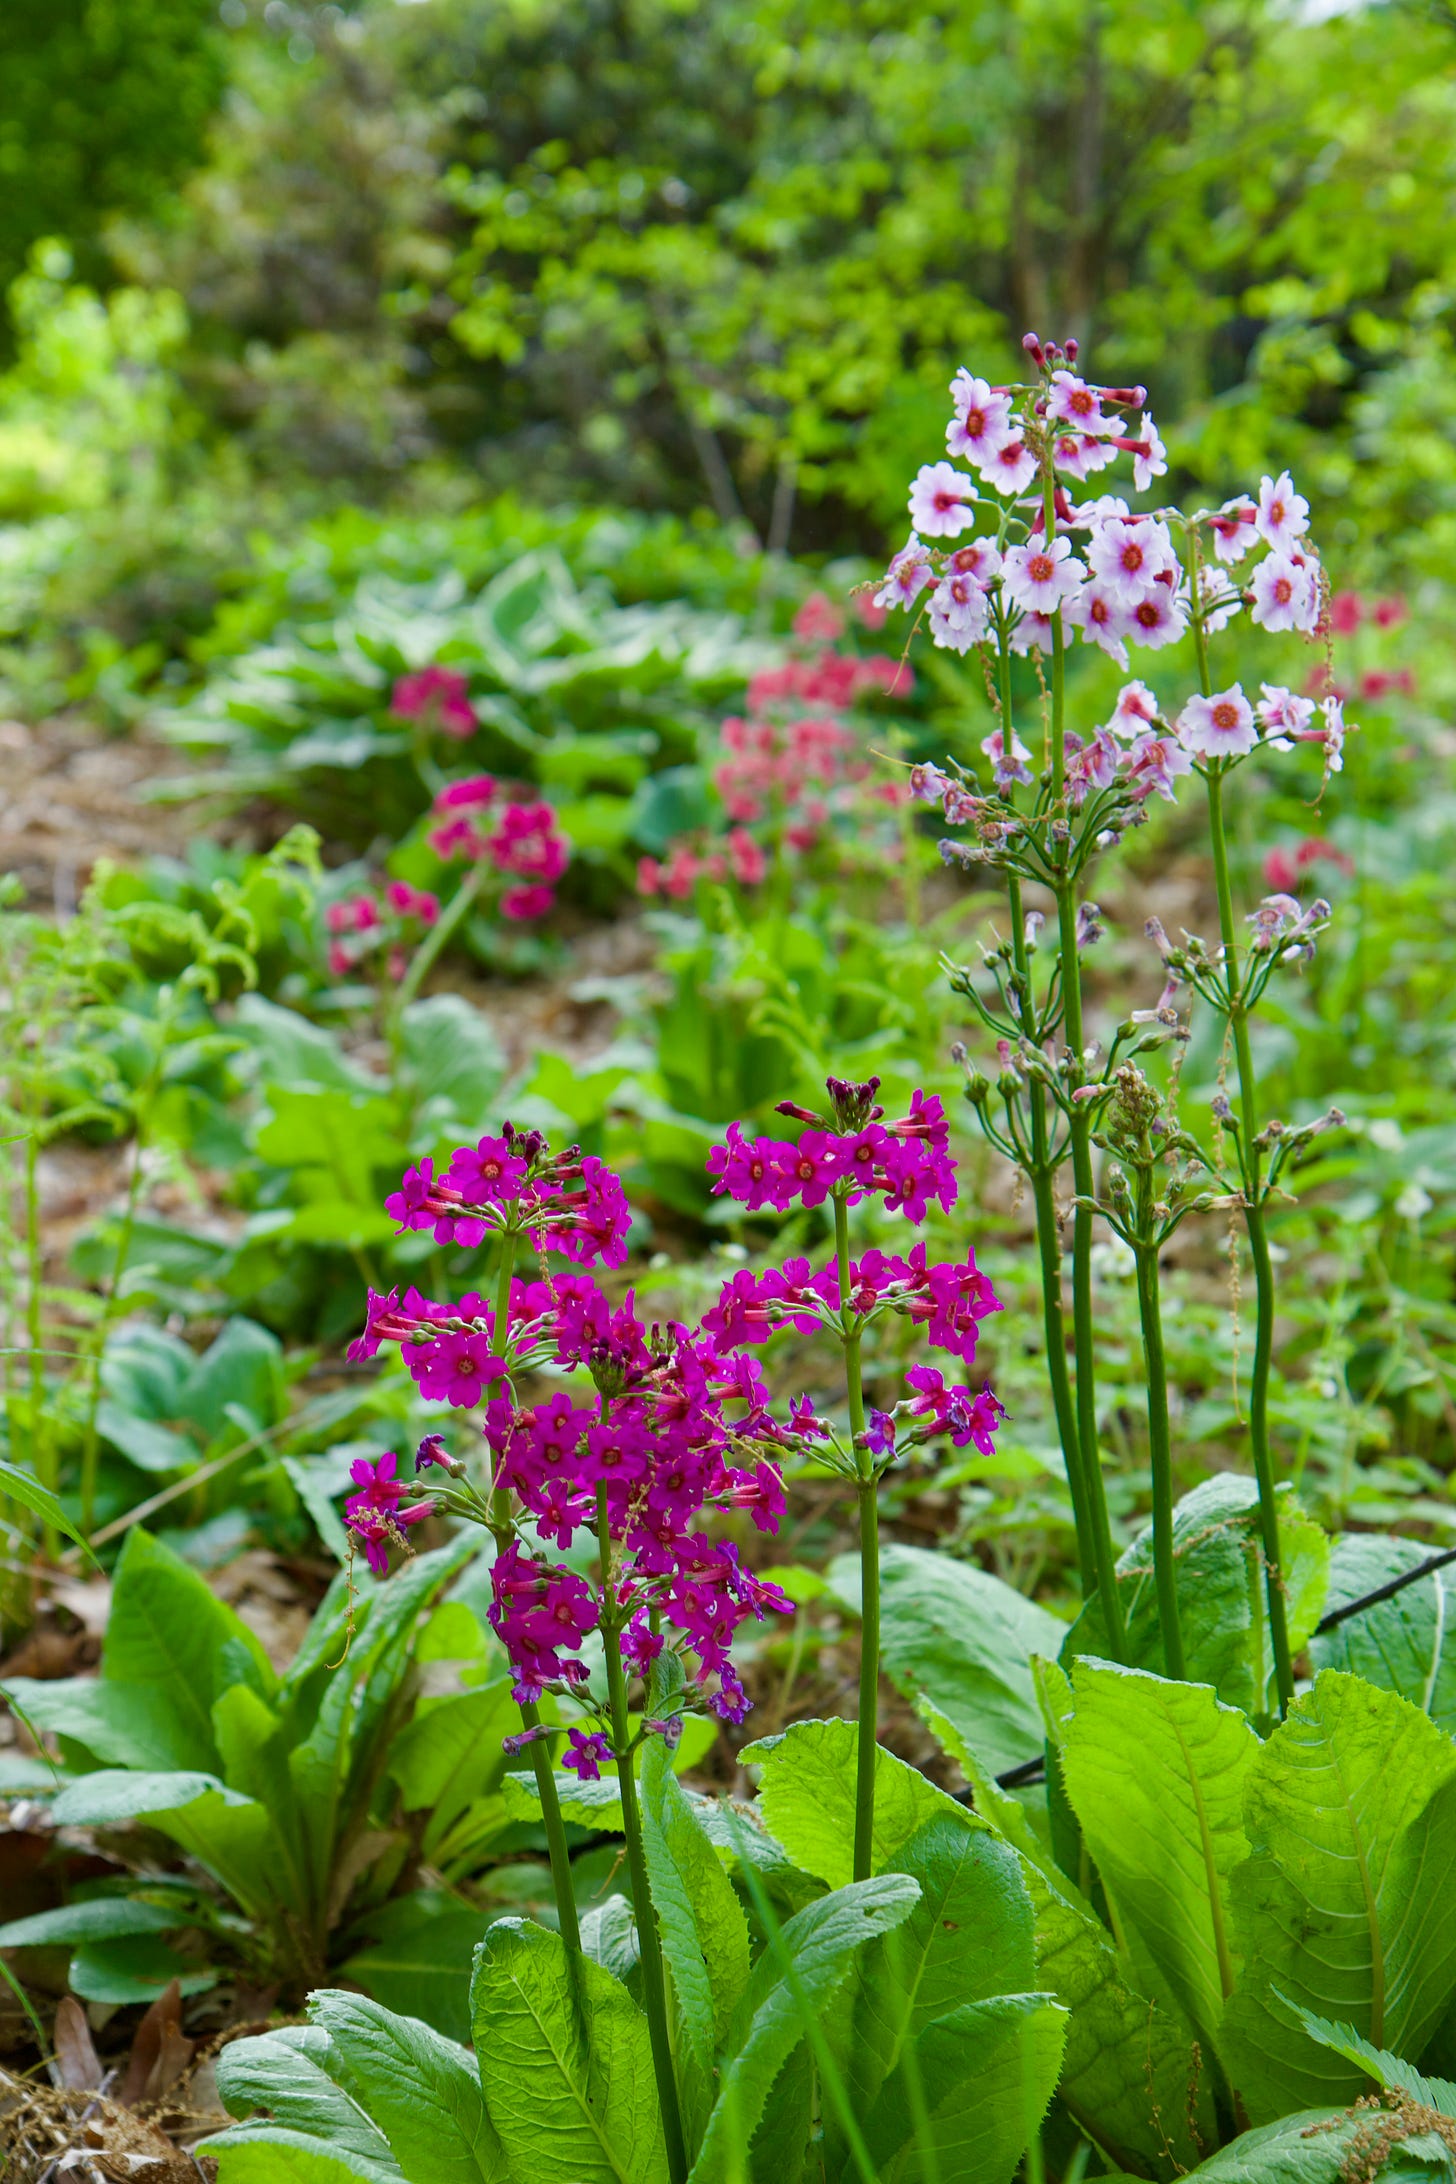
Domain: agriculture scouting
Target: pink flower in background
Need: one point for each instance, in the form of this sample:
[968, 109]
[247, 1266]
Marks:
[412, 902]
[526, 903]
[818, 620]
[471, 794]
[438, 696]
[1347, 612]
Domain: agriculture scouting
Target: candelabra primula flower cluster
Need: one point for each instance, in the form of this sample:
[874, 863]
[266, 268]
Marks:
[568, 1202]
[791, 768]
[380, 924]
[1111, 575]
[438, 700]
[477, 822]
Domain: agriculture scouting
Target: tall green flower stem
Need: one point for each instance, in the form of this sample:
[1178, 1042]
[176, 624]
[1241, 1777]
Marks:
[539, 1748]
[1254, 1195]
[1080, 1125]
[654, 1984]
[867, 1494]
[1145, 1252]
[438, 938]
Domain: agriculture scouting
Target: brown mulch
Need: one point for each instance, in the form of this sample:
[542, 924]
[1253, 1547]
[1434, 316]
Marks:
[74, 794]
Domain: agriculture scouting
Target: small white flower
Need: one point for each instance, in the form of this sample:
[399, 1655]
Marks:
[1413, 1202]
[1135, 711]
[906, 577]
[959, 613]
[1041, 574]
[1233, 529]
[1078, 405]
[941, 500]
[1282, 714]
[1129, 557]
[982, 422]
[1283, 517]
[1010, 468]
[1103, 619]
[1158, 619]
[1218, 727]
[1285, 594]
[1154, 462]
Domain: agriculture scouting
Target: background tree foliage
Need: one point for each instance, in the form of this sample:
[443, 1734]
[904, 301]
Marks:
[105, 104]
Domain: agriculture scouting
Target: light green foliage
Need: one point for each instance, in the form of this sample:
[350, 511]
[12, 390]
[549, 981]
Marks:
[1388, 2071]
[564, 2064]
[806, 1796]
[271, 1784]
[704, 1934]
[1156, 1773]
[965, 1640]
[1351, 1817]
[1221, 1591]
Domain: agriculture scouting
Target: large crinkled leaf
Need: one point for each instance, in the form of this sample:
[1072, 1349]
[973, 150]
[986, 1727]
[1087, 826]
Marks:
[285, 2075]
[704, 1932]
[418, 1958]
[1351, 1815]
[1155, 1772]
[963, 1638]
[267, 2153]
[983, 2076]
[565, 2064]
[231, 1835]
[1222, 1597]
[820, 1943]
[806, 1796]
[1406, 1644]
[168, 1632]
[420, 2089]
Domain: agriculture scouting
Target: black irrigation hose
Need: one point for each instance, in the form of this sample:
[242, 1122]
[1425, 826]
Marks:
[1032, 1770]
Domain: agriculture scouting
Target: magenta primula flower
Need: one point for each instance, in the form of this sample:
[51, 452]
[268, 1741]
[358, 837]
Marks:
[439, 696]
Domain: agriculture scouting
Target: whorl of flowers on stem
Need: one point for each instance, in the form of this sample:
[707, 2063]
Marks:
[790, 768]
[438, 698]
[383, 923]
[566, 1201]
[477, 823]
[849, 1153]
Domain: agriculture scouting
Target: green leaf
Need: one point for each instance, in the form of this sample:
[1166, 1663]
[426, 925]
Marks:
[820, 1943]
[1155, 1772]
[968, 1938]
[286, 2074]
[98, 1918]
[169, 1631]
[132, 1968]
[456, 1058]
[419, 1961]
[1351, 1813]
[1129, 2077]
[151, 1447]
[421, 2090]
[121, 1725]
[704, 1932]
[565, 2064]
[231, 1835]
[451, 1754]
[20, 1487]
[242, 1370]
[985, 2073]
[1407, 1644]
[294, 1051]
[964, 1639]
[266, 2153]
[114, 1796]
[807, 1792]
[1317, 2146]
[1386, 2069]
[1219, 1565]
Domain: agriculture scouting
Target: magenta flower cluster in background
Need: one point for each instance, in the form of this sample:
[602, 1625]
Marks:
[793, 765]
[475, 820]
[388, 922]
[907, 1163]
[438, 698]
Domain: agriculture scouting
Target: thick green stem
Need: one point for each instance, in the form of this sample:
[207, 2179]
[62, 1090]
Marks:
[1081, 1135]
[1258, 1243]
[1049, 1243]
[1159, 1440]
[540, 1748]
[867, 1493]
[654, 1985]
